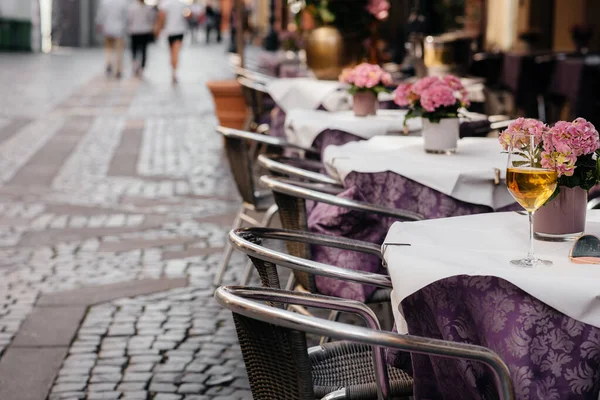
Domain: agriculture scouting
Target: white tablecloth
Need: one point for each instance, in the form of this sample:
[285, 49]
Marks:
[307, 94]
[467, 175]
[303, 126]
[310, 93]
[483, 245]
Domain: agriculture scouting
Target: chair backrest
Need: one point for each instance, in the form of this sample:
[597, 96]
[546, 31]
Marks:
[276, 360]
[291, 197]
[244, 303]
[255, 94]
[238, 153]
[239, 150]
[266, 260]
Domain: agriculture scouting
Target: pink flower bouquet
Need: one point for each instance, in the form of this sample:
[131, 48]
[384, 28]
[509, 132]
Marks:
[379, 9]
[432, 97]
[570, 148]
[366, 78]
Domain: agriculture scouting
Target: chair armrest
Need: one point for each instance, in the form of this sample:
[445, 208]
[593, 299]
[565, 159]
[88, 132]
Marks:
[274, 165]
[240, 301]
[312, 238]
[291, 188]
[238, 241]
[258, 138]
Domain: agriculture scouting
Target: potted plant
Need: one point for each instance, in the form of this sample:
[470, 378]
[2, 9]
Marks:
[572, 149]
[437, 100]
[340, 28]
[366, 82]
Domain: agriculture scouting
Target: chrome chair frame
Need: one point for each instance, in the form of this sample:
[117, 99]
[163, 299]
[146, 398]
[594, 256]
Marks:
[291, 188]
[239, 238]
[277, 165]
[243, 301]
[249, 241]
[241, 162]
[286, 189]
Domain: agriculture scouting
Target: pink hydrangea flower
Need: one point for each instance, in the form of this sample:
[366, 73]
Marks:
[347, 76]
[523, 126]
[566, 141]
[366, 76]
[402, 94]
[424, 84]
[437, 96]
[379, 8]
[580, 136]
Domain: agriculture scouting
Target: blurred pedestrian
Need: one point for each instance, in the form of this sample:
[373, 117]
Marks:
[197, 13]
[141, 20]
[111, 20]
[172, 18]
[213, 21]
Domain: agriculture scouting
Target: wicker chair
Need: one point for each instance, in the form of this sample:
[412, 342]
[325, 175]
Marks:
[258, 100]
[280, 366]
[291, 195]
[238, 146]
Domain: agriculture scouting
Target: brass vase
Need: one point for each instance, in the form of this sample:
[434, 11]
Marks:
[328, 52]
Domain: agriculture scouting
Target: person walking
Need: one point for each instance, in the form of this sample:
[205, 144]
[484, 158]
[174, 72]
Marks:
[141, 19]
[213, 21]
[111, 20]
[172, 18]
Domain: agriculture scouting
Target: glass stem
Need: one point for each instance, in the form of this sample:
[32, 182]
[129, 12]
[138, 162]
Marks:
[530, 255]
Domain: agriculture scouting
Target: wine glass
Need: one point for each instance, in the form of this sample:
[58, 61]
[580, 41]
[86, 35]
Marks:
[529, 183]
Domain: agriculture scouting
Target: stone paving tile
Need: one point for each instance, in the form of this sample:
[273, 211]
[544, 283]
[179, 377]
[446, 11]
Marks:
[177, 366]
[141, 191]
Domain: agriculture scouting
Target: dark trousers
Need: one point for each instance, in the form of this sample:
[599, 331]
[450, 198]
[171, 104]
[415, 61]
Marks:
[213, 25]
[139, 44]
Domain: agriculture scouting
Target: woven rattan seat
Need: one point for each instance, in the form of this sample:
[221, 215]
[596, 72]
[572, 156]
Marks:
[350, 365]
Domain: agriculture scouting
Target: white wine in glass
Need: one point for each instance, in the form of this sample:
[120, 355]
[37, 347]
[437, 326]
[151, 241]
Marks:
[530, 185]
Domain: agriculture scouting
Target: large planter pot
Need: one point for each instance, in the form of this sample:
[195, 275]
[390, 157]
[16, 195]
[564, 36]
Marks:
[562, 218]
[364, 104]
[328, 52]
[440, 137]
[230, 105]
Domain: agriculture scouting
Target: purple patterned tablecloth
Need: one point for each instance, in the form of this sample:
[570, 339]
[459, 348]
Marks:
[550, 356]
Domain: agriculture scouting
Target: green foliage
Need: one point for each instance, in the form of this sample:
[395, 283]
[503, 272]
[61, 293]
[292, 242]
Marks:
[349, 16]
[585, 176]
[436, 116]
[377, 89]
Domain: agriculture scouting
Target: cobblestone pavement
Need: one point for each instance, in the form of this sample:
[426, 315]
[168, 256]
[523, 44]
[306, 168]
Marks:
[105, 181]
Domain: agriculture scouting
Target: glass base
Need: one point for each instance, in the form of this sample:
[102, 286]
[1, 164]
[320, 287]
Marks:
[531, 263]
[446, 151]
[552, 237]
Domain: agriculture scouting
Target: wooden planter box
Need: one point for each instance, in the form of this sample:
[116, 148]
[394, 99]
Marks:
[230, 105]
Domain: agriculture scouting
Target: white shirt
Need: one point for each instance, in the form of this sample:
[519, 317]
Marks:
[141, 19]
[175, 22]
[112, 15]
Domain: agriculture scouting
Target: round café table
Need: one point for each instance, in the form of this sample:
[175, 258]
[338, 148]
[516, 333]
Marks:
[395, 172]
[452, 280]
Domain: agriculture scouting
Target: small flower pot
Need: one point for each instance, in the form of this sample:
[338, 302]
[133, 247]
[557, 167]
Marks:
[562, 218]
[230, 105]
[364, 104]
[440, 137]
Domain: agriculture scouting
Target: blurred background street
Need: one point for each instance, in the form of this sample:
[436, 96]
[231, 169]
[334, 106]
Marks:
[108, 181]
